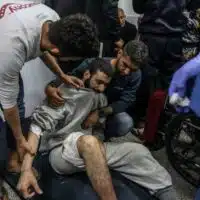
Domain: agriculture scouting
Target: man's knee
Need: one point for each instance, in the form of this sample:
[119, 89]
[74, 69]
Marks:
[119, 125]
[88, 143]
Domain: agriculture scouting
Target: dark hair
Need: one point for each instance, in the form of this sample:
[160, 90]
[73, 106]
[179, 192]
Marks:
[75, 35]
[98, 64]
[137, 51]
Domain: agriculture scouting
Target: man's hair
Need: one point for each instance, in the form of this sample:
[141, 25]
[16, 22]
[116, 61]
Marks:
[98, 64]
[75, 35]
[137, 51]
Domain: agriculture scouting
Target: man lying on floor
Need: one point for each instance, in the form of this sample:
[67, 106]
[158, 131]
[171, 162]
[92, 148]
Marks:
[121, 92]
[74, 149]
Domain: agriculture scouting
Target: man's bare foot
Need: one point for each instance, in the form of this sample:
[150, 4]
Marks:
[14, 165]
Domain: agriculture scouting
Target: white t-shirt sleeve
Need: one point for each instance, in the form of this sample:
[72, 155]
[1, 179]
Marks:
[9, 79]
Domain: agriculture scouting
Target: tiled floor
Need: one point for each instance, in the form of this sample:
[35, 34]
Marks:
[184, 190]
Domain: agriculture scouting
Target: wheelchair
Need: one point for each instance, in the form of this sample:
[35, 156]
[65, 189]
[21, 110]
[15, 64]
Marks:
[182, 139]
[178, 133]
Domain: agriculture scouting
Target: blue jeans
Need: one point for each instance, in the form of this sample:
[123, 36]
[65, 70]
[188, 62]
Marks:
[7, 139]
[118, 125]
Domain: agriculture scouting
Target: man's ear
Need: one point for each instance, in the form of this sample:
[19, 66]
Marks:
[86, 75]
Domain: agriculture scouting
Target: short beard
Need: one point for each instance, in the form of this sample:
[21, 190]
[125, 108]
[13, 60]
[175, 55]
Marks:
[87, 83]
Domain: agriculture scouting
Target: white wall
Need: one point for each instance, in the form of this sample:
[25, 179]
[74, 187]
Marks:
[35, 76]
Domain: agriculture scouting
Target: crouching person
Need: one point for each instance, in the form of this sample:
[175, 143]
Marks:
[73, 149]
[121, 92]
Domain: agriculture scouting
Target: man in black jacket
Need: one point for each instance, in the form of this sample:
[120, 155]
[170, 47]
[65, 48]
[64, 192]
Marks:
[128, 31]
[161, 29]
[103, 12]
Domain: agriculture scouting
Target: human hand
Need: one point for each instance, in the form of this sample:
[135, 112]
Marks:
[54, 96]
[91, 120]
[23, 147]
[28, 185]
[119, 52]
[72, 80]
[119, 44]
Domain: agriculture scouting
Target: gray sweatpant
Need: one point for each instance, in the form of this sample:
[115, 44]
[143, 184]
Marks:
[132, 160]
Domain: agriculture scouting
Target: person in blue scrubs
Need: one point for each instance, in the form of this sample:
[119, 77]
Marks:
[179, 84]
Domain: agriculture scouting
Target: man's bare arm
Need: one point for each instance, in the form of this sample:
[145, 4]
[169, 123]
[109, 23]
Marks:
[52, 64]
[13, 119]
[28, 184]
[33, 141]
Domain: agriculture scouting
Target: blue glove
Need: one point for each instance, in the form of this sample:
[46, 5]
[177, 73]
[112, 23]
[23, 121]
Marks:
[180, 78]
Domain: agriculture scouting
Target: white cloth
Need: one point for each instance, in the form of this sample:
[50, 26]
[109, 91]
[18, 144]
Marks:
[134, 161]
[20, 42]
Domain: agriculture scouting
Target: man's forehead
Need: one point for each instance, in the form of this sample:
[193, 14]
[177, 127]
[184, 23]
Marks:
[103, 76]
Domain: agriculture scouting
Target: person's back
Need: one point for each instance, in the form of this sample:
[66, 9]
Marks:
[98, 11]
[20, 42]
[22, 30]
[65, 8]
[160, 17]
[102, 12]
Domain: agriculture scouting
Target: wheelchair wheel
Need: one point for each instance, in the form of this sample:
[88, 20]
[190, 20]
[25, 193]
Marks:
[183, 146]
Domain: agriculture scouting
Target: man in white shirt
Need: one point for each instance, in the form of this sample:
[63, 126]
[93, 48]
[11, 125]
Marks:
[33, 30]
